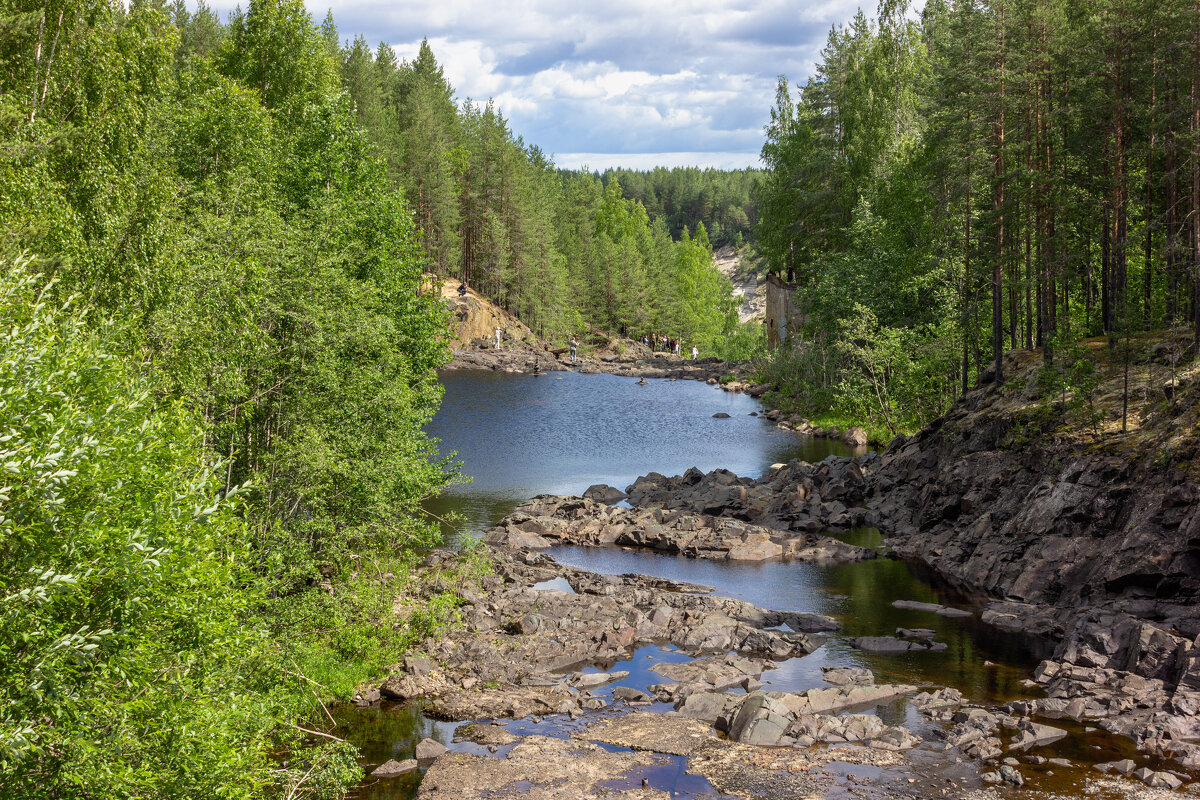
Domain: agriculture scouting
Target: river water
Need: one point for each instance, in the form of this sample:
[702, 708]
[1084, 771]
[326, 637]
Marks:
[518, 436]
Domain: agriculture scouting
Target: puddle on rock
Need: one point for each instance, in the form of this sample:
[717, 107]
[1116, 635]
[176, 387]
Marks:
[671, 777]
[984, 663]
[554, 585]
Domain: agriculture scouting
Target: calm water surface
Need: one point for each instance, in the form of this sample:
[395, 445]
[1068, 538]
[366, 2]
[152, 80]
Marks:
[518, 436]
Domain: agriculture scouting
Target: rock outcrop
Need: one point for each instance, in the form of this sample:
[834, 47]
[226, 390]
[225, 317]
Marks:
[520, 651]
[548, 520]
[817, 716]
[1043, 522]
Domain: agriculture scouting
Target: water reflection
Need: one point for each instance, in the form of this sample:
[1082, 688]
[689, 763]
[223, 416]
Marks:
[860, 597]
[519, 436]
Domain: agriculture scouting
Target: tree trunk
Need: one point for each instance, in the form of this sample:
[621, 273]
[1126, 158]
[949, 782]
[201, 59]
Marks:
[998, 211]
[1194, 205]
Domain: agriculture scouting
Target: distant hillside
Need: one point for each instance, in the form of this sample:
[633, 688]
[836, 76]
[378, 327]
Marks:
[684, 197]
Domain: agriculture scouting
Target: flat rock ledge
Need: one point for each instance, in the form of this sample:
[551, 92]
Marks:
[549, 520]
[509, 660]
[520, 650]
[542, 768]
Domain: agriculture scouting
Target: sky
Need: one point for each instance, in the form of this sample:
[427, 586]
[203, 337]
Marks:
[621, 83]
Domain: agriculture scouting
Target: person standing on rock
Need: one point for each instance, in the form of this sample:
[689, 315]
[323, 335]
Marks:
[574, 347]
[497, 338]
[695, 353]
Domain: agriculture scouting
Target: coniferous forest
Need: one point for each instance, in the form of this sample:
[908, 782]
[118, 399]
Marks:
[220, 343]
[562, 250]
[219, 352]
[986, 177]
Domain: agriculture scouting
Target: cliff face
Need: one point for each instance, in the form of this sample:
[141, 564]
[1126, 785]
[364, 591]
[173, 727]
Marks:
[1003, 496]
[476, 318]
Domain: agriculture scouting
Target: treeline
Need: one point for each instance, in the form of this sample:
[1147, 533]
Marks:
[216, 365]
[685, 197]
[998, 175]
[560, 253]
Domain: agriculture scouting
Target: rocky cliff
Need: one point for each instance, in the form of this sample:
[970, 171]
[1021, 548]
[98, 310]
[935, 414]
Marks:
[1005, 495]
[746, 289]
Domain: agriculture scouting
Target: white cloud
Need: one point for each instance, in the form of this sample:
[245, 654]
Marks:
[625, 82]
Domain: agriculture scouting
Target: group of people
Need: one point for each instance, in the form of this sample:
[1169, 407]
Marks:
[661, 344]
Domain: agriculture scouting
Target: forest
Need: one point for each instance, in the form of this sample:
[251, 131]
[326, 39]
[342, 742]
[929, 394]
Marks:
[986, 177]
[684, 197]
[220, 348]
[219, 353]
[566, 252]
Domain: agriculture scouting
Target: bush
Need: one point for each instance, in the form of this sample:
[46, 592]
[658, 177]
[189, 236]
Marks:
[121, 636]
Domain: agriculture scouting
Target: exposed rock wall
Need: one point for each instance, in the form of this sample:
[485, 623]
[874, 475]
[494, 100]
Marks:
[746, 288]
[781, 313]
[1039, 521]
[476, 318]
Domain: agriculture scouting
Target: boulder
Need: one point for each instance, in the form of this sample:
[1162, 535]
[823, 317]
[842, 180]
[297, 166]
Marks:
[418, 666]
[631, 696]
[848, 676]
[590, 680]
[855, 437]
[1158, 780]
[710, 707]
[1031, 734]
[890, 644]
[394, 768]
[1125, 766]
[428, 750]
[514, 538]
[406, 687]
[603, 493]
[760, 720]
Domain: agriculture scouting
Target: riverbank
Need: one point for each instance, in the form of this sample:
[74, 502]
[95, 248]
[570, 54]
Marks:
[541, 670]
[551, 650]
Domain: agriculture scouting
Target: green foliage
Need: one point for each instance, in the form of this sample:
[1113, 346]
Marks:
[561, 250]
[1071, 382]
[180, 481]
[685, 197]
[739, 341]
[119, 635]
[992, 177]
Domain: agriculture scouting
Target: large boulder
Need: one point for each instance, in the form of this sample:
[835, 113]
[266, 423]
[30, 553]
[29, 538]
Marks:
[603, 493]
[394, 768]
[760, 720]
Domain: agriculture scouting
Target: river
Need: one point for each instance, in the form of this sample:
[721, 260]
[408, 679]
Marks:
[518, 436]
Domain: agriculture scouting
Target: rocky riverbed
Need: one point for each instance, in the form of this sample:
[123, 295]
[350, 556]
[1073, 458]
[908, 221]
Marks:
[527, 651]
[583, 684]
